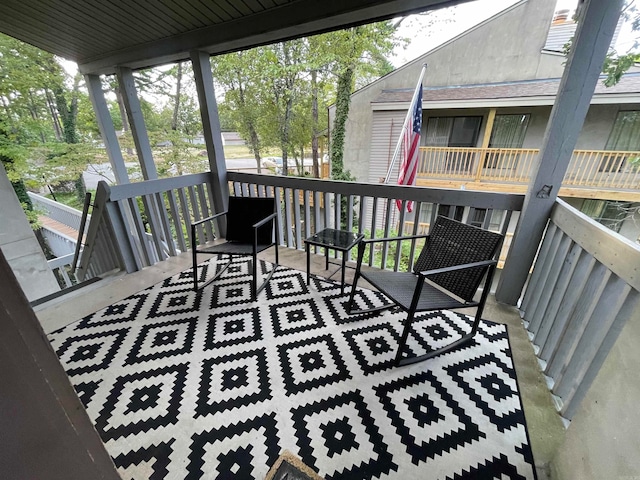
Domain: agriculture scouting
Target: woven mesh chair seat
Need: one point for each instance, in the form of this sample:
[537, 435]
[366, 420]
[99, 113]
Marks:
[400, 287]
[232, 248]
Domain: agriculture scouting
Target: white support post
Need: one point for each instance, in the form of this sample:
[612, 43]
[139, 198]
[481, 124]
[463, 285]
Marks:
[136, 121]
[596, 26]
[107, 130]
[211, 128]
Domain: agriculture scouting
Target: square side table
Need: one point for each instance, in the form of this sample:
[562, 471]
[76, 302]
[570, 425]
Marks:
[332, 239]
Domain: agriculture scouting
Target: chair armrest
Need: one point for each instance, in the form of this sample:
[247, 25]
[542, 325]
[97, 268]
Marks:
[452, 268]
[393, 239]
[265, 220]
[212, 217]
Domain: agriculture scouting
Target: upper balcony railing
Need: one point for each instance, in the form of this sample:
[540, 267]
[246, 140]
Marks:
[596, 169]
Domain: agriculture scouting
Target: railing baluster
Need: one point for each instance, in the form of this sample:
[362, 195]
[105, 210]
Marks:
[204, 208]
[327, 210]
[140, 230]
[400, 233]
[152, 220]
[387, 225]
[296, 216]
[166, 229]
[287, 214]
[361, 214]
[177, 225]
[307, 214]
[316, 216]
[195, 211]
[277, 194]
[374, 219]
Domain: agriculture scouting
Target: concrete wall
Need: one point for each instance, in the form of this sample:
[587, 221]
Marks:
[20, 246]
[506, 47]
[45, 433]
[602, 441]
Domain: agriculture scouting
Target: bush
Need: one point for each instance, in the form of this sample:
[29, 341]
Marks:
[392, 247]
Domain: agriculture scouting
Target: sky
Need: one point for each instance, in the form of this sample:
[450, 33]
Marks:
[452, 21]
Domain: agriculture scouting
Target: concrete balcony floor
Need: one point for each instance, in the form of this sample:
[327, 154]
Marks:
[545, 427]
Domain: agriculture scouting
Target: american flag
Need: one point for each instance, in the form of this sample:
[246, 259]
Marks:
[411, 142]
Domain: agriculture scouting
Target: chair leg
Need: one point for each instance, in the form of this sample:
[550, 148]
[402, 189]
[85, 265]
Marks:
[403, 338]
[353, 291]
[254, 282]
[195, 270]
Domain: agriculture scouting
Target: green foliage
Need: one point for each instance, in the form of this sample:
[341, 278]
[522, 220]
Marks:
[616, 65]
[405, 251]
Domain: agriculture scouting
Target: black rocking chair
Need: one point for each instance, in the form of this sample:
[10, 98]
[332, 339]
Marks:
[446, 275]
[251, 229]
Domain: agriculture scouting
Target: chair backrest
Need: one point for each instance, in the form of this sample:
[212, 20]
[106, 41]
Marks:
[453, 243]
[243, 212]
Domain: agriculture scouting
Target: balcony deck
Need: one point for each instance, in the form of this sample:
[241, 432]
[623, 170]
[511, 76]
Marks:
[544, 424]
[594, 174]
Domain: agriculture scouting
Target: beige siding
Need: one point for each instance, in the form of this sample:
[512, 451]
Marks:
[385, 130]
[494, 51]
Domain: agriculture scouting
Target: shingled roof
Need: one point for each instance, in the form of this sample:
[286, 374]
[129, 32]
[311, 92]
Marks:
[629, 84]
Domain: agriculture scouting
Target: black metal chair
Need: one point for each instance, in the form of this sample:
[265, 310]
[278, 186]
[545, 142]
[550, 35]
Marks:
[446, 275]
[251, 228]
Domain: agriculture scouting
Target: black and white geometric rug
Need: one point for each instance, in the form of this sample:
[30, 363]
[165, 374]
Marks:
[211, 385]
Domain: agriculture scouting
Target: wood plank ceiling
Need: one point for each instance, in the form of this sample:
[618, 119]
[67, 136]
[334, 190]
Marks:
[102, 34]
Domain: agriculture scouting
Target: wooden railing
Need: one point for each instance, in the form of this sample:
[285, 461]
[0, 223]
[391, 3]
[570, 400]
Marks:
[58, 211]
[366, 208]
[584, 287]
[587, 168]
[145, 222]
[126, 216]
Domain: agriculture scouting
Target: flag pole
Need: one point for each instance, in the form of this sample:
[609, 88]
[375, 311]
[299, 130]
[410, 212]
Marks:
[396, 152]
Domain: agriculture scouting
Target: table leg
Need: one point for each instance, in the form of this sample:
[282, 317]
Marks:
[308, 262]
[343, 265]
[326, 258]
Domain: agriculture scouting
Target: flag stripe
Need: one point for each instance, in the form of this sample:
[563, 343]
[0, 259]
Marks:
[411, 143]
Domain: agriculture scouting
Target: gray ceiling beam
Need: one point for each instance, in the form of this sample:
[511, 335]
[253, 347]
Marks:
[293, 20]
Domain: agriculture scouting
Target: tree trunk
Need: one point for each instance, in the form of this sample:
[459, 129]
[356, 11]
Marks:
[343, 97]
[314, 117]
[176, 106]
[254, 139]
[55, 119]
[34, 115]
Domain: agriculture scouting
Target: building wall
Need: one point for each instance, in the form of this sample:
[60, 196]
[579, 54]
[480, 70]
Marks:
[506, 47]
[20, 246]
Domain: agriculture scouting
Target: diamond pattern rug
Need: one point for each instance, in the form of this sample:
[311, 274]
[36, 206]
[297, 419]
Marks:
[211, 385]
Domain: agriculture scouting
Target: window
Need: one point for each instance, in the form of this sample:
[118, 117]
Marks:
[625, 136]
[454, 132]
[444, 210]
[477, 217]
[508, 132]
[609, 213]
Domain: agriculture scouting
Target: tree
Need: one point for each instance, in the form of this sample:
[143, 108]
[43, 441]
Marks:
[617, 64]
[358, 50]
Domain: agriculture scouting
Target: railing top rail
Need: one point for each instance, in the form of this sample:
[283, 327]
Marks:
[477, 149]
[149, 187]
[495, 200]
[59, 234]
[617, 253]
[52, 203]
[60, 261]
